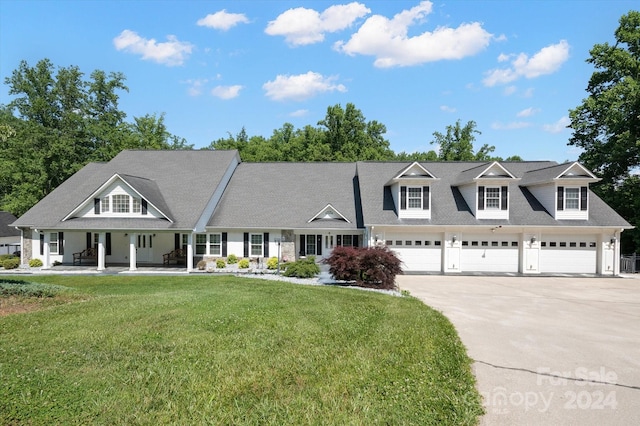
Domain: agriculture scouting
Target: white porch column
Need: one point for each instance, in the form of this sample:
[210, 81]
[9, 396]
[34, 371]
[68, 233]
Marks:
[46, 252]
[133, 259]
[190, 251]
[101, 252]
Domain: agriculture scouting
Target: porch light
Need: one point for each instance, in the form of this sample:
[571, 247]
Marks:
[613, 240]
[454, 238]
[533, 239]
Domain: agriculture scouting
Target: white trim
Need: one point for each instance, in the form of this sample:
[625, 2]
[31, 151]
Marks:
[321, 212]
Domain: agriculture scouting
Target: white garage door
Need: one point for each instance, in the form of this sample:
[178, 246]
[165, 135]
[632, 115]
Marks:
[568, 254]
[489, 253]
[418, 253]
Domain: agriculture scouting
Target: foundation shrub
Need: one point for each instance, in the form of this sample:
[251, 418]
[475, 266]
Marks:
[375, 267]
[303, 268]
[11, 263]
[243, 264]
[232, 259]
[35, 263]
[220, 263]
[272, 263]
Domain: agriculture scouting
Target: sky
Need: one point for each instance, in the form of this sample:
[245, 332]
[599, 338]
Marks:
[516, 68]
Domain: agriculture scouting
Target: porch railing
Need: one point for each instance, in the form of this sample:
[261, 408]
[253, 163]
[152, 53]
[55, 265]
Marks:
[630, 263]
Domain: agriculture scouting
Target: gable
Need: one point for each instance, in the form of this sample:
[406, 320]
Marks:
[576, 171]
[329, 213]
[415, 171]
[143, 196]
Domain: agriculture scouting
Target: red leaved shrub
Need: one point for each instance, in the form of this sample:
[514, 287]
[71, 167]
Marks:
[374, 267]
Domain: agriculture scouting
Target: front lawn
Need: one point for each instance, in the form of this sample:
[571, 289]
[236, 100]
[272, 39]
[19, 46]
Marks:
[227, 350]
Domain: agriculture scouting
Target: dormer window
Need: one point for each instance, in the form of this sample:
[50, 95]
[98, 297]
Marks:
[120, 203]
[104, 204]
[492, 198]
[136, 205]
[572, 198]
[414, 197]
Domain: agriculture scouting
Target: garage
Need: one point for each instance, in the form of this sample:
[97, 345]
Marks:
[490, 253]
[418, 253]
[572, 254]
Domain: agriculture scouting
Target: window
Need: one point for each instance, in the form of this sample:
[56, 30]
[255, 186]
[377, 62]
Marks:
[465, 243]
[437, 243]
[201, 244]
[427, 243]
[514, 244]
[215, 244]
[311, 244]
[492, 198]
[256, 245]
[583, 244]
[136, 205]
[485, 244]
[398, 242]
[418, 242]
[104, 204]
[389, 242]
[407, 243]
[504, 243]
[474, 244]
[414, 198]
[120, 203]
[347, 241]
[563, 244]
[572, 198]
[494, 244]
[53, 243]
[572, 244]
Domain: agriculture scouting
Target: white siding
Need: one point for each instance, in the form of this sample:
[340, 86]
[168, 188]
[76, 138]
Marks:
[470, 195]
[546, 195]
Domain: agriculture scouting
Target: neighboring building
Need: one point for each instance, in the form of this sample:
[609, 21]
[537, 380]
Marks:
[450, 217]
[9, 235]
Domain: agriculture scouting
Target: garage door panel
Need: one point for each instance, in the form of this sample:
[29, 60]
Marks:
[490, 253]
[420, 259]
[568, 254]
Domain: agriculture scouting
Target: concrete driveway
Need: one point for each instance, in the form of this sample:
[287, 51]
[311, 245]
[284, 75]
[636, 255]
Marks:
[559, 351]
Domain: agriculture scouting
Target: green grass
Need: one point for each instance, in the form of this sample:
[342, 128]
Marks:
[227, 350]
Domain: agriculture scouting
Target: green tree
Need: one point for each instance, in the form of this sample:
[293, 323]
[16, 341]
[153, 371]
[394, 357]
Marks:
[59, 121]
[457, 144]
[606, 126]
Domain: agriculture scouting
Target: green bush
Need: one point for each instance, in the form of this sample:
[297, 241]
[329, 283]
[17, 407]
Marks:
[243, 264]
[4, 257]
[272, 263]
[303, 268]
[11, 263]
[35, 263]
[232, 259]
[28, 289]
[220, 263]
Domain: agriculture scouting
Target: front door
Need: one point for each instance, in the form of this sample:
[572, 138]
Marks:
[144, 248]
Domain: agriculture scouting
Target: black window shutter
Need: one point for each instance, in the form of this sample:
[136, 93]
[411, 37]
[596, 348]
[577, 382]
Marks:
[60, 242]
[224, 244]
[303, 246]
[425, 198]
[504, 194]
[583, 198]
[108, 251]
[96, 205]
[403, 198]
[176, 241]
[89, 240]
[41, 244]
[265, 245]
[339, 240]
[246, 244]
[561, 198]
[319, 245]
[481, 198]
[355, 241]
[144, 206]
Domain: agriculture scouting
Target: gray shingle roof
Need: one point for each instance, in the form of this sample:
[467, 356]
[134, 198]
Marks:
[6, 219]
[448, 207]
[185, 180]
[287, 196]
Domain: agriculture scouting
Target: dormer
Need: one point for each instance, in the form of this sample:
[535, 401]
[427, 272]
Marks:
[411, 190]
[124, 196]
[563, 190]
[485, 188]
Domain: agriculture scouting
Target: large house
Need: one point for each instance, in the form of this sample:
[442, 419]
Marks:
[155, 207]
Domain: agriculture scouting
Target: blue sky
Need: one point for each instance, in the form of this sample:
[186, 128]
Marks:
[213, 67]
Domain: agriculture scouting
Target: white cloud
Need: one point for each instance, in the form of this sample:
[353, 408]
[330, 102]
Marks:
[222, 20]
[226, 92]
[547, 61]
[528, 112]
[300, 87]
[447, 108]
[510, 90]
[387, 40]
[195, 86]
[514, 125]
[172, 52]
[302, 26]
[299, 113]
[558, 126]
